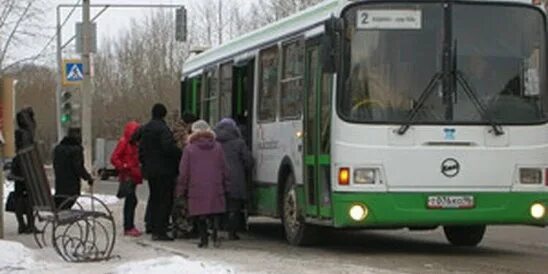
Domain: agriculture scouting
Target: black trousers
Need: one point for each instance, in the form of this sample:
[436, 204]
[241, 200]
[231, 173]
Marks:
[161, 203]
[130, 204]
[234, 214]
[203, 221]
[61, 201]
[23, 206]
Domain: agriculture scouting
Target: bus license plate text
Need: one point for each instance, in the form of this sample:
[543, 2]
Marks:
[439, 202]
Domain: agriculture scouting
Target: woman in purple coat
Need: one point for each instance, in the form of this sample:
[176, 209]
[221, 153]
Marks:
[203, 180]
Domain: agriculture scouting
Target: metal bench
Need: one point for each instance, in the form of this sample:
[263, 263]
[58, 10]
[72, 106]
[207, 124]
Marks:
[85, 232]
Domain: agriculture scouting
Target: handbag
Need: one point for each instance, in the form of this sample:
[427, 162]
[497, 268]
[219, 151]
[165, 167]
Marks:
[10, 202]
[125, 189]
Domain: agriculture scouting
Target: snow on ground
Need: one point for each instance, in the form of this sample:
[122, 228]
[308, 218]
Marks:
[15, 257]
[9, 186]
[18, 259]
[171, 265]
[107, 199]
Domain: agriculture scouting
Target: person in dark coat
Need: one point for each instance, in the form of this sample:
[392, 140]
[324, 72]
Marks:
[24, 137]
[203, 180]
[159, 157]
[239, 159]
[69, 169]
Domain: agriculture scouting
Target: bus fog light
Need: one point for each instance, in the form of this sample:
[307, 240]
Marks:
[365, 176]
[538, 211]
[358, 212]
[530, 176]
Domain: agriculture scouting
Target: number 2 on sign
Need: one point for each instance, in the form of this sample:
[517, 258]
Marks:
[365, 17]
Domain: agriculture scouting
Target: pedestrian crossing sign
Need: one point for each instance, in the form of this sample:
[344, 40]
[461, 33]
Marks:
[73, 72]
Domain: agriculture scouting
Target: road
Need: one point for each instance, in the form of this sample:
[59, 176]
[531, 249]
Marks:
[510, 249]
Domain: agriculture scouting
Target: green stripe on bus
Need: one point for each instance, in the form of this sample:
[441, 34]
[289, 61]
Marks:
[325, 159]
[410, 209]
[309, 160]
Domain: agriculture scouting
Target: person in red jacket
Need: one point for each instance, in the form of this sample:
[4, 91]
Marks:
[125, 159]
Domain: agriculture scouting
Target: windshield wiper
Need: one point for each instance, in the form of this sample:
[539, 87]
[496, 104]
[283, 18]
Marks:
[497, 129]
[458, 77]
[422, 99]
[469, 90]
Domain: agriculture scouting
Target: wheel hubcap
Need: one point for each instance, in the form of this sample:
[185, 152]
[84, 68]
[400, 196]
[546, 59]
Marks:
[290, 211]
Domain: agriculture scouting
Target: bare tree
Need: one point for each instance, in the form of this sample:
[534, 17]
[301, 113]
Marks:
[36, 88]
[19, 24]
[267, 11]
[136, 70]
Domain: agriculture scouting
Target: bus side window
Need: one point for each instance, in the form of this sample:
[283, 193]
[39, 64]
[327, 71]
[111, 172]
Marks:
[211, 101]
[292, 80]
[268, 85]
[225, 95]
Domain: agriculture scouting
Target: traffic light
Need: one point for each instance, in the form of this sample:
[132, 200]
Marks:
[66, 108]
[181, 26]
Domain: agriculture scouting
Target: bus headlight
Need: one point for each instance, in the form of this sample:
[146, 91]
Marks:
[538, 211]
[365, 176]
[358, 212]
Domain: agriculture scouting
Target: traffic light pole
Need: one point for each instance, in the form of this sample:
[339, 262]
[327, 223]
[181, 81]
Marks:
[59, 75]
[87, 86]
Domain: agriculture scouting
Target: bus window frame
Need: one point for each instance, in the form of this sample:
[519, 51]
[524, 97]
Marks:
[207, 99]
[300, 41]
[341, 61]
[230, 92]
[276, 97]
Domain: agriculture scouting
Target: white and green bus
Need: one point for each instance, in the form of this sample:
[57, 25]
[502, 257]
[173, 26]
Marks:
[388, 114]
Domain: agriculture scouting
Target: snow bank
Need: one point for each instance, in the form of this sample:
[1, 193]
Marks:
[107, 199]
[15, 257]
[9, 186]
[171, 265]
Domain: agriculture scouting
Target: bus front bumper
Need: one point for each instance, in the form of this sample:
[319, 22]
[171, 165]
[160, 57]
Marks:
[411, 209]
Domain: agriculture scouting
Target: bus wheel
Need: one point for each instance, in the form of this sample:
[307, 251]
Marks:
[464, 235]
[297, 232]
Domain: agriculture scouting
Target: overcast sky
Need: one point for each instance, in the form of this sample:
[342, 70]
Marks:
[111, 23]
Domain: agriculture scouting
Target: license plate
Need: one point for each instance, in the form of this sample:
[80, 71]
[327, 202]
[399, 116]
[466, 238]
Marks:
[439, 202]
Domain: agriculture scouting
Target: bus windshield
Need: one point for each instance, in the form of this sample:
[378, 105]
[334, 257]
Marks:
[392, 51]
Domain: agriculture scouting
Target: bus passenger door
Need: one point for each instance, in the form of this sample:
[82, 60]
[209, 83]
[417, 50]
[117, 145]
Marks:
[242, 109]
[242, 103]
[317, 134]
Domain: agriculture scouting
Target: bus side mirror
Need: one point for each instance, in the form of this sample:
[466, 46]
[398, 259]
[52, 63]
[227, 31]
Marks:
[330, 49]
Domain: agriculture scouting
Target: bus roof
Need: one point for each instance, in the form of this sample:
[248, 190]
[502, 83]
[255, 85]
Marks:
[263, 36]
[271, 33]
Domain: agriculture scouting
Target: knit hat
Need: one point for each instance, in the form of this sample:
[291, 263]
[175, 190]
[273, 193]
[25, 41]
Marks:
[201, 126]
[227, 121]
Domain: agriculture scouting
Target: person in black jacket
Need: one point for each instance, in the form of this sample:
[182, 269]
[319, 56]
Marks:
[68, 166]
[159, 157]
[24, 137]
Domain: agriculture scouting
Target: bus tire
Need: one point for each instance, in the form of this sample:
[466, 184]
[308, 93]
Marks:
[297, 232]
[464, 235]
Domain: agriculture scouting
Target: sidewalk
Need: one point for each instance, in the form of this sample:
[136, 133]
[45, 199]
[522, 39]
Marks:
[130, 255]
[261, 251]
